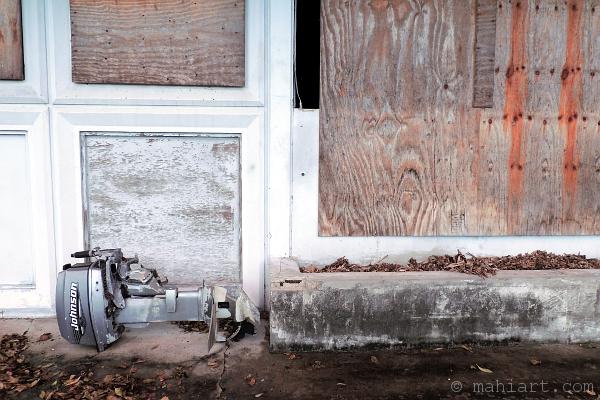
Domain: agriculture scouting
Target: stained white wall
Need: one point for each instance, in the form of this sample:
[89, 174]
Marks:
[42, 125]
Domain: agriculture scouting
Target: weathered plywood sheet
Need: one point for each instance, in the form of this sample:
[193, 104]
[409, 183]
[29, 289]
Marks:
[12, 66]
[159, 42]
[403, 153]
[539, 134]
[16, 244]
[175, 201]
[397, 133]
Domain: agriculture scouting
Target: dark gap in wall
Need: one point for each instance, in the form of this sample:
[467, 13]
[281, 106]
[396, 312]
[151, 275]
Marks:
[308, 56]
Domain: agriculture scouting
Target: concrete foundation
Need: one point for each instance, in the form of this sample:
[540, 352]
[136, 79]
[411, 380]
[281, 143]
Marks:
[359, 311]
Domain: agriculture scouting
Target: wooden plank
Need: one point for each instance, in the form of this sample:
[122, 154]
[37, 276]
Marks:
[485, 51]
[166, 42]
[12, 65]
[174, 200]
[588, 182]
[391, 96]
[456, 122]
[540, 206]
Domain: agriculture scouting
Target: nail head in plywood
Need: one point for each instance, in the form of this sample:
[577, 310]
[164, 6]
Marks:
[12, 66]
[159, 42]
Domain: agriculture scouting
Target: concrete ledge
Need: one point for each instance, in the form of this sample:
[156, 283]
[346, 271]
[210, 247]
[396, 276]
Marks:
[368, 310]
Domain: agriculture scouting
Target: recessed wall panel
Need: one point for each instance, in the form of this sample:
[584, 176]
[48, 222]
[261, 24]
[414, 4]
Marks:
[173, 200]
[16, 244]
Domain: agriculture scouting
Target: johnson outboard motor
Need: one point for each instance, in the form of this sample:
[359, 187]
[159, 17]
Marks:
[96, 300]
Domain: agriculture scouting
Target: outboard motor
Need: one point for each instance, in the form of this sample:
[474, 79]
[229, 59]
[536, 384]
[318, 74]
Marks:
[98, 299]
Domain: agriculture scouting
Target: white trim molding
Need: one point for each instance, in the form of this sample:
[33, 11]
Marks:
[34, 89]
[37, 297]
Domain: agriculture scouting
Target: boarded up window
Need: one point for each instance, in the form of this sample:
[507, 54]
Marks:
[173, 200]
[12, 66]
[402, 151]
[159, 42]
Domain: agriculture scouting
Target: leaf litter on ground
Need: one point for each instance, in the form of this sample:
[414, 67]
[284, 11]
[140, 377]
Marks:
[469, 264]
[18, 375]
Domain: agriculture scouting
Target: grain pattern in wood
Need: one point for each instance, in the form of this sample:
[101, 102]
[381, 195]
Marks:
[12, 65]
[455, 122]
[540, 209]
[173, 200]
[485, 51]
[394, 75]
[528, 166]
[588, 171]
[167, 42]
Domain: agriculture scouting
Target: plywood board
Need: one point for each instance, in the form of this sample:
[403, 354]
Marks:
[12, 66]
[397, 133]
[166, 42]
[403, 153]
[173, 200]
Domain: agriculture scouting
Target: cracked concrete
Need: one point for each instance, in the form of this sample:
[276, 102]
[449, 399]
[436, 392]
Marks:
[369, 310]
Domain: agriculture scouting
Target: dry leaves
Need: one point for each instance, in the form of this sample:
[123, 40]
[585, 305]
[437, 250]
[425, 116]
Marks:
[487, 371]
[16, 375]
[45, 336]
[250, 380]
[466, 348]
[316, 365]
[482, 266]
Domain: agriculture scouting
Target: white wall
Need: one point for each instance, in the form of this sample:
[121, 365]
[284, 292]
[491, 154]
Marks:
[45, 115]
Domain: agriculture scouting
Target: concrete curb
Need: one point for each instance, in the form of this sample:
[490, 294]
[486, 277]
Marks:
[354, 311]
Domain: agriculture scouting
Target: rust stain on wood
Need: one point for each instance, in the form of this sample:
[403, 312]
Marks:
[569, 104]
[12, 65]
[400, 155]
[166, 42]
[516, 94]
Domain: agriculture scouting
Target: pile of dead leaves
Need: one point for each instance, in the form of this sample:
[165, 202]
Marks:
[225, 324]
[470, 264]
[16, 374]
[113, 387]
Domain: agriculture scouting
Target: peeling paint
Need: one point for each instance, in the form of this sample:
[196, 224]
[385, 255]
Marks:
[172, 199]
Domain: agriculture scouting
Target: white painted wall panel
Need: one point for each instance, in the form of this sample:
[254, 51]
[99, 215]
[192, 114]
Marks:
[173, 200]
[16, 242]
